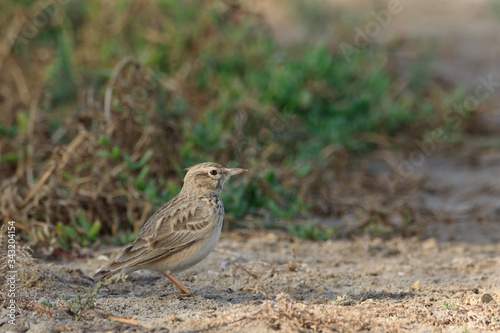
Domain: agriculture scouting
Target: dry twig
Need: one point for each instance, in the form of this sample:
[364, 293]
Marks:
[130, 322]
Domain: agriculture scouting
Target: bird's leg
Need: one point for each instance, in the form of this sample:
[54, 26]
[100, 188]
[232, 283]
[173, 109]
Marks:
[184, 291]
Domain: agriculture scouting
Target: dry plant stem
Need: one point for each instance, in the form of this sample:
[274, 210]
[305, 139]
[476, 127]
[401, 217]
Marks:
[142, 143]
[111, 83]
[349, 229]
[130, 322]
[185, 291]
[40, 183]
[13, 30]
[255, 276]
[28, 166]
[52, 166]
[20, 81]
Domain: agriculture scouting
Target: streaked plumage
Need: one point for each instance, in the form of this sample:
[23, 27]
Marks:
[183, 231]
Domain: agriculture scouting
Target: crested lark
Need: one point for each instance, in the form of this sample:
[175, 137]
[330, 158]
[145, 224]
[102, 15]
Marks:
[183, 232]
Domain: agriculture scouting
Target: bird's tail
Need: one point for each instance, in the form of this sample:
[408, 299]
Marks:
[120, 265]
[104, 274]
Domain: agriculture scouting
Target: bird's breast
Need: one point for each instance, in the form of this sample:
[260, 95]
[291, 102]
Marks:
[214, 203]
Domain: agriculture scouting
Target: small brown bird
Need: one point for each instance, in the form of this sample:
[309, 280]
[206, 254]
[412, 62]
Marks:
[182, 232]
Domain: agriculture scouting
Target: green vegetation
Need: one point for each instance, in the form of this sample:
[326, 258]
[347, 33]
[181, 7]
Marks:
[450, 306]
[311, 232]
[495, 7]
[76, 306]
[80, 232]
[205, 81]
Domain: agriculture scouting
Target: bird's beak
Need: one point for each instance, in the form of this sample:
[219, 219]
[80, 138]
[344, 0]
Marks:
[235, 171]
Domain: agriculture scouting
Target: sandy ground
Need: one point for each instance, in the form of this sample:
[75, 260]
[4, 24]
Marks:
[263, 281]
[447, 280]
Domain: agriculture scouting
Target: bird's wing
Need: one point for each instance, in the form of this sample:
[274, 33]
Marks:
[177, 225]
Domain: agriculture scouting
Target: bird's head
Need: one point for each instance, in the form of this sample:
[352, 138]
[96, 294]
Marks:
[207, 178]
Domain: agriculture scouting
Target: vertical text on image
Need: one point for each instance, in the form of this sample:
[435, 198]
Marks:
[11, 277]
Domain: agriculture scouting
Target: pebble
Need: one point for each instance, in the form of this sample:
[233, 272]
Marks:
[486, 298]
[430, 244]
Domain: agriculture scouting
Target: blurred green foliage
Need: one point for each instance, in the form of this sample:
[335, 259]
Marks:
[311, 232]
[495, 6]
[80, 231]
[231, 91]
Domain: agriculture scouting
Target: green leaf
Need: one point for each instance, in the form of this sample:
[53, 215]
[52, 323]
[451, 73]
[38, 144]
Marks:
[11, 158]
[94, 231]
[116, 153]
[70, 233]
[82, 219]
[139, 182]
[104, 141]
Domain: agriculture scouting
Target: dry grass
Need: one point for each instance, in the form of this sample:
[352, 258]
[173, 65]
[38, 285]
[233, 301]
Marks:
[286, 314]
[92, 186]
[115, 151]
[53, 182]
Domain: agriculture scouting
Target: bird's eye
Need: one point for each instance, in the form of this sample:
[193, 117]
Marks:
[213, 172]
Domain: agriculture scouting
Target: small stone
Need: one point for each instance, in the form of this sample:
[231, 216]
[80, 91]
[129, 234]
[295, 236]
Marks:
[430, 244]
[416, 285]
[103, 258]
[486, 298]
[272, 237]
